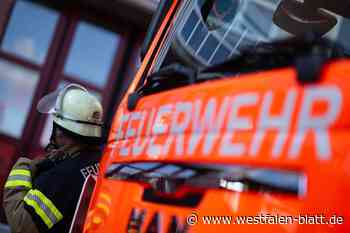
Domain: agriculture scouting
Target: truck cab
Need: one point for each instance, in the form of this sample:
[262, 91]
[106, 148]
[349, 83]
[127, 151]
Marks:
[237, 120]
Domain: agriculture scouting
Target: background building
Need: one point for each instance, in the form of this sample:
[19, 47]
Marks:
[45, 44]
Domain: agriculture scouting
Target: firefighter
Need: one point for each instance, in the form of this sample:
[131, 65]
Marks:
[40, 195]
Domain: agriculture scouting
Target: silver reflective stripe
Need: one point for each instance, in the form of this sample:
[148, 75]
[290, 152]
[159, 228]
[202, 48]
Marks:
[42, 206]
[19, 177]
[23, 166]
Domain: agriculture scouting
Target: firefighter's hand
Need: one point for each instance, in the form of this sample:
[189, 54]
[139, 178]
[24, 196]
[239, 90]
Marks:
[35, 165]
[57, 155]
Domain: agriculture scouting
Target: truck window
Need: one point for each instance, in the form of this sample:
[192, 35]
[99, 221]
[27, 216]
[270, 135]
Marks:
[208, 32]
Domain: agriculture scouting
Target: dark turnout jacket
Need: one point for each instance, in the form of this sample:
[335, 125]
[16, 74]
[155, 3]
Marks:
[41, 196]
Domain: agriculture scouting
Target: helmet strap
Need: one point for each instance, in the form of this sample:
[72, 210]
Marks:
[52, 143]
[59, 115]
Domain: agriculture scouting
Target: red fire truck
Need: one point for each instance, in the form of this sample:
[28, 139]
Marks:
[237, 121]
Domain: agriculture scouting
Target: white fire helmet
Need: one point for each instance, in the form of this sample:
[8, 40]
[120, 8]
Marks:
[74, 109]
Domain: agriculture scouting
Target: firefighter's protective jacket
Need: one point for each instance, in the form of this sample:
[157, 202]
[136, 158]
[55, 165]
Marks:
[41, 195]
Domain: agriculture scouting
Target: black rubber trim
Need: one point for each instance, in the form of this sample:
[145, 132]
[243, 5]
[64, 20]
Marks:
[188, 200]
[157, 19]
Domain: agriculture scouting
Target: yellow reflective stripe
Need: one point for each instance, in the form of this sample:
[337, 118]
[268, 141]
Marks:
[17, 183]
[39, 211]
[103, 207]
[47, 202]
[106, 197]
[22, 172]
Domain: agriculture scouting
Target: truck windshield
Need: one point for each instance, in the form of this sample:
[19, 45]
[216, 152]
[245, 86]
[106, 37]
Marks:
[208, 32]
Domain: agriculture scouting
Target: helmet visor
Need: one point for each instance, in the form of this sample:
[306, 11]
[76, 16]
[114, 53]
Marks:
[47, 104]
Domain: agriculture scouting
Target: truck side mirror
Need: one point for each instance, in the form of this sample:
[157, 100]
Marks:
[303, 18]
